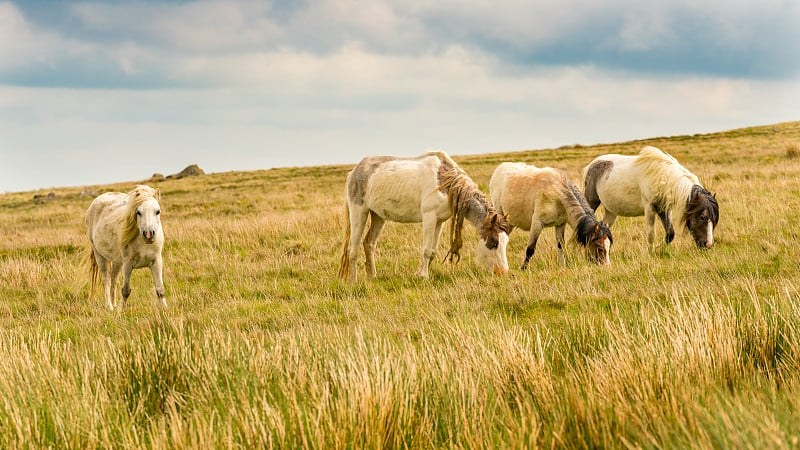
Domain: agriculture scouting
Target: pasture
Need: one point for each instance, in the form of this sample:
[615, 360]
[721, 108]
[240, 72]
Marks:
[262, 345]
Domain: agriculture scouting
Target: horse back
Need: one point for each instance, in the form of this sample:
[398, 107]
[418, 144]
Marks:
[102, 234]
[397, 189]
[616, 182]
[522, 190]
[102, 205]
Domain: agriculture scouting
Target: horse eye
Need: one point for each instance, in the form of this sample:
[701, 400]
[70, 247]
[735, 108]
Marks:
[158, 212]
[138, 213]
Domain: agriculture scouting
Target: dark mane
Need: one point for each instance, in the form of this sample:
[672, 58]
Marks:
[588, 225]
[580, 198]
[701, 200]
[588, 228]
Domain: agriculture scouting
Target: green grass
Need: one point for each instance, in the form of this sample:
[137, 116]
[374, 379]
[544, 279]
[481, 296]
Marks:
[262, 346]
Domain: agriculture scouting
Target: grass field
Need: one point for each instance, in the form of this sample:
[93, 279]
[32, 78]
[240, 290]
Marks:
[262, 346]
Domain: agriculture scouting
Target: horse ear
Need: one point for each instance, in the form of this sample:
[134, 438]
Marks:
[714, 195]
[494, 219]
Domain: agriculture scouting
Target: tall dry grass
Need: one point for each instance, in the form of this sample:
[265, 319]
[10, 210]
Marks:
[695, 371]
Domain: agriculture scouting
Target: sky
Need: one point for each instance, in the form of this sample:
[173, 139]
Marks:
[114, 91]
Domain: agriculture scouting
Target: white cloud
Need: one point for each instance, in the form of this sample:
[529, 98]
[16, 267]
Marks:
[21, 44]
[94, 136]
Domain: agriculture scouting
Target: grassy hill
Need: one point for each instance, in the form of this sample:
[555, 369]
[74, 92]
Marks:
[262, 346]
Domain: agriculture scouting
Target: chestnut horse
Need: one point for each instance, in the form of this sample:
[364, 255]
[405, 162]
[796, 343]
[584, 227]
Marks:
[535, 198]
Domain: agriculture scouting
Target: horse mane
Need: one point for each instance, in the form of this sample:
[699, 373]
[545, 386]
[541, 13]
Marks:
[461, 193]
[446, 160]
[587, 221]
[126, 216]
[706, 200]
[670, 179]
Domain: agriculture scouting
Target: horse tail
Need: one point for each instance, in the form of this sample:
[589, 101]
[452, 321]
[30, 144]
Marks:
[94, 269]
[344, 262]
[592, 174]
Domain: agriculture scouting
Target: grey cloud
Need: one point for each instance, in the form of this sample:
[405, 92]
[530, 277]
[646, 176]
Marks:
[735, 39]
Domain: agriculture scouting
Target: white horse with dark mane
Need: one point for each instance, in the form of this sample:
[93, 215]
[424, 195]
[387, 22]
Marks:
[652, 184]
[534, 198]
[431, 189]
[125, 234]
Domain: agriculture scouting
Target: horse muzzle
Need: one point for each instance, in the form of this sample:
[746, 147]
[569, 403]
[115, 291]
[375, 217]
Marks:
[502, 271]
[704, 244]
[149, 236]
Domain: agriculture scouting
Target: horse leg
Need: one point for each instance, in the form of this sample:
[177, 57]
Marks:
[107, 279]
[158, 280]
[431, 228]
[650, 221]
[358, 221]
[562, 260]
[114, 277]
[609, 218]
[666, 220]
[370, 242]
[437, 233]
[127, 269]
[536, 229]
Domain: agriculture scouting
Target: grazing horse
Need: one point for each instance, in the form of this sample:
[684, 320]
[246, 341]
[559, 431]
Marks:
[652, 184]
[430, 188]
[535, 198]
[125, 234]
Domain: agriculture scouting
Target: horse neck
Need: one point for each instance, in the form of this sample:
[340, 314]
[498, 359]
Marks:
[682, 194]
[674, 184]
[466, 199]
[575, 205]
[477, 210]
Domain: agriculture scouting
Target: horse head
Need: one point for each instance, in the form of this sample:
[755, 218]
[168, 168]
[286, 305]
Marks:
[596, 237]
[491, 249]
[144, 200]
[702, 215]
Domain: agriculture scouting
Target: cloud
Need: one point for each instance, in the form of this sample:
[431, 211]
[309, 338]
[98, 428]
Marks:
[147, 44]
[22, 45]
[202, 27]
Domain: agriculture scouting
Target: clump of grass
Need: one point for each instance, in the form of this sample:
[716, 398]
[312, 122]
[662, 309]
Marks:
[792, 150]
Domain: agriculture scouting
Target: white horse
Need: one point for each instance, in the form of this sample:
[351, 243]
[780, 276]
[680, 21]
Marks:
[125, 234]
[430, 189]
[535, 198]
[652, 184]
